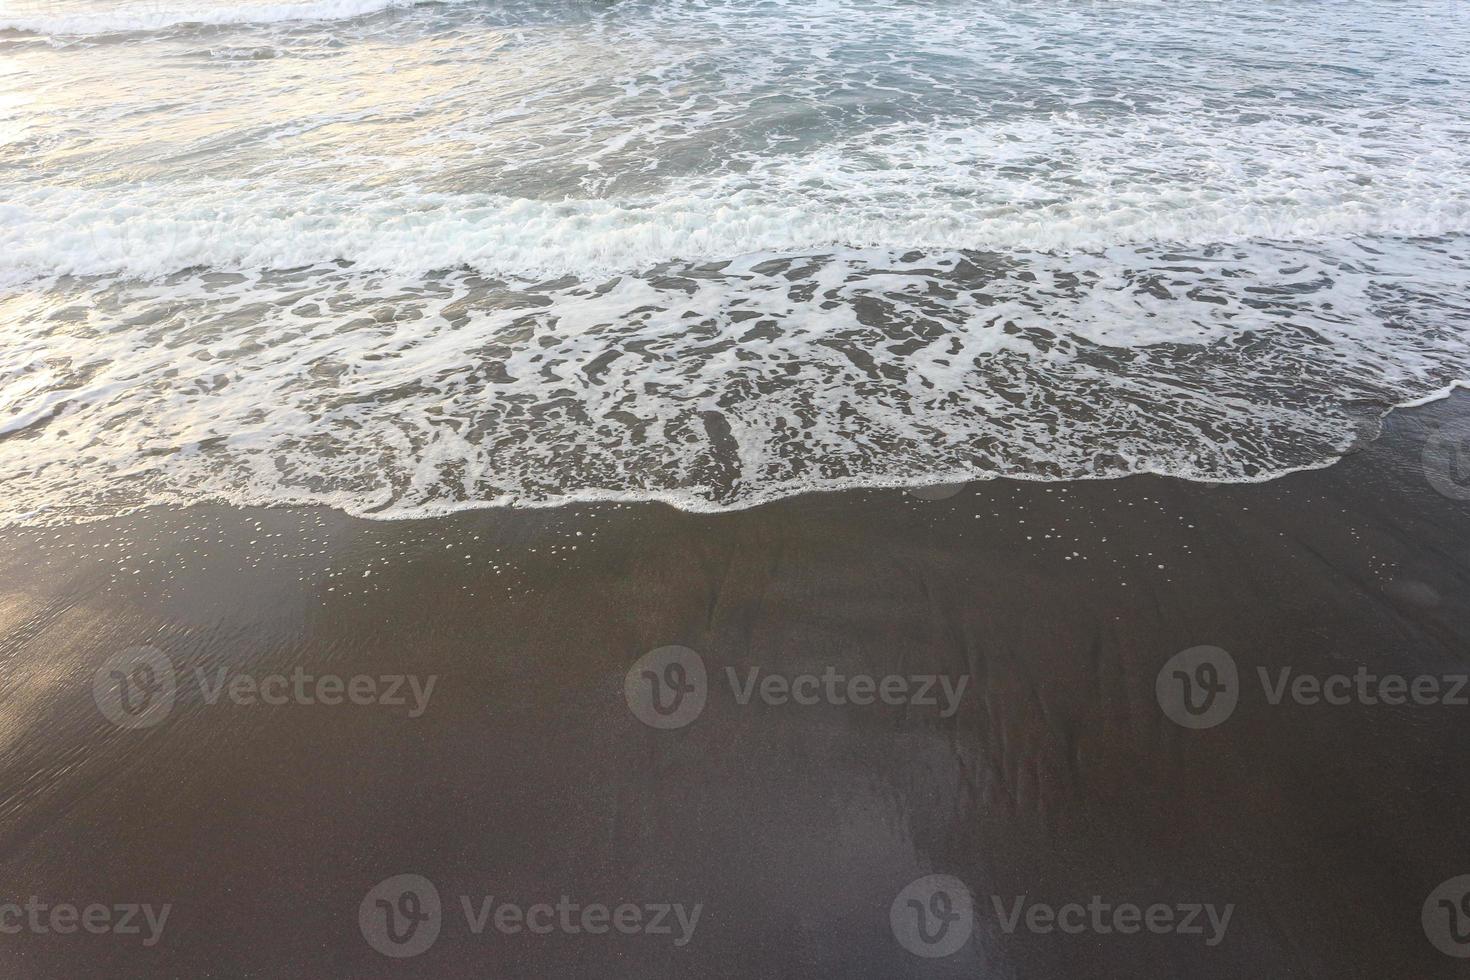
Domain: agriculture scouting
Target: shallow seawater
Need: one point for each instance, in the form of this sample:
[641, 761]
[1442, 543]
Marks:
[407, 258]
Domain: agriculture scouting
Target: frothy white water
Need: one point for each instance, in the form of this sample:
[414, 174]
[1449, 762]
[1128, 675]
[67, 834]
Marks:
[718, 386]
[714, 252]
[1065, 182]
[86, 20]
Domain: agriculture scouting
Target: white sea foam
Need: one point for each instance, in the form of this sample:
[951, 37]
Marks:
[718, 387]
[714, 252]
[82, 20]
[1187, 178]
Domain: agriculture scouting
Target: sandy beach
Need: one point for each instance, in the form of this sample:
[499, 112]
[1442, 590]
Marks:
[452, 701]
[475, 489]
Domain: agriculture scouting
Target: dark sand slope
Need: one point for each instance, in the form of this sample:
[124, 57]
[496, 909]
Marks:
[528, 778]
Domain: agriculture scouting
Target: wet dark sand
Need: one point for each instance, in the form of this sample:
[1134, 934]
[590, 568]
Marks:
[528, 778]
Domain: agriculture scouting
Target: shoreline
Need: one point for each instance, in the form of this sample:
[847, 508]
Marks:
[792, 823]
[600, 497]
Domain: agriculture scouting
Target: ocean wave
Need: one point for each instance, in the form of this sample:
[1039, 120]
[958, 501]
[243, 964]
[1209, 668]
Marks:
[155, 15]
[529, 239]
[715, 252]
[1190, 178]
